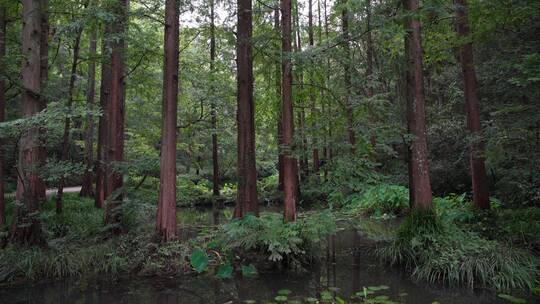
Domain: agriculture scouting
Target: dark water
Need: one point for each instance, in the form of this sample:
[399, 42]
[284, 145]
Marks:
[349, 268]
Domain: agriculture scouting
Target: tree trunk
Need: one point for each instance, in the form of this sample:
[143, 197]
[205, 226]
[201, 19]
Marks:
[347, 77]
[116, 110]
[2, 111]
[67, 122]
[301, 114]
[290, 170]
[26, 227]
[419, 164]
[87, 189]
[215, 155]
[476, 150]
[369, 69]
[166, 211]
[278, 96]
[104, 102]
[314, 112]
[247, 201]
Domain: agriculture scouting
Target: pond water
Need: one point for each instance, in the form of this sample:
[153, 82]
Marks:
[349, 268]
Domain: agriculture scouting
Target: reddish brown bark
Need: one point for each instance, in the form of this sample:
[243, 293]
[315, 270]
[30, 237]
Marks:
[476, 150]
[67, 122]
[351, 134]
[87, 189]
[215, 154]
[2, 111]
[290, 168]
[26, 228]
[116, 111]
[314, 112]
[104, 95]
[419, 164]
[246, 201]
[166, 211]
[43, 74]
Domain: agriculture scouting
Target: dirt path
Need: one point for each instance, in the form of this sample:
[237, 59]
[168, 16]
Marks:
[51, 192]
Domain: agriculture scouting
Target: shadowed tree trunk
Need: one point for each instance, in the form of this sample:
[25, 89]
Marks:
[290, 170]
[116, 111]
[87, 189]
[104, 95]
[166, 212]
[26, 227]
[314, 112]
[67, 122]
[246, 201]
[2, 111]
[215, 155]
[278, 95]
[43, 74]
[347, 76]
[369, 68]
[302, 112]
[419, 165]
[476, 149]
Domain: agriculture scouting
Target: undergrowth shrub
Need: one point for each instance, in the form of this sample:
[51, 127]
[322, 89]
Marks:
[519, 226]
[270, 235]
[380, 200]
[438, 251]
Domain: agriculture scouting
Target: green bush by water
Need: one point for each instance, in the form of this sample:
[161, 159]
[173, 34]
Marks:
[438, 251]
[270, 235]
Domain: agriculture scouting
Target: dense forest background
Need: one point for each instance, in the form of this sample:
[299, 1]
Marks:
[348, 129]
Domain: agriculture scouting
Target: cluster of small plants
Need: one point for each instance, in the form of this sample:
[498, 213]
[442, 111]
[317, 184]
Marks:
[368, 295]
[270, 235]
[437, 251]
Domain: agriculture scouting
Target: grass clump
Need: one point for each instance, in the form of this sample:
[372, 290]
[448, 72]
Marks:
[437, 251]
[271, 236]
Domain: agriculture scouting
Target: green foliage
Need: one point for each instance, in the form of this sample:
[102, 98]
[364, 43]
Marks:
[199, 260]
[270, 235]
[379, 201]
[519, 226]
[438, 251]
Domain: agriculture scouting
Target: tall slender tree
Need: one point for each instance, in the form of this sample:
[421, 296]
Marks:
[421, 196]
[277, 29]
[246, 201]
[116, 112]
[166, 212]
[300, 102]
[312, 97]
[26, 227]
[104, 94]
[290, 167]
[349, 109]
[87, 189]
[215, 154]
[3, 22]
[476, 150]
[69, 105]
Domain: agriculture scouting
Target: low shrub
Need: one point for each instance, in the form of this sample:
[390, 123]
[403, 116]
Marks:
[273, 237]
[379, 201]
[438, 251]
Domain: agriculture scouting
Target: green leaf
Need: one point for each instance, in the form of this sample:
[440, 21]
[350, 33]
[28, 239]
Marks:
[249, 271]
[225, 271]
[512, 299]
[199, 260]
